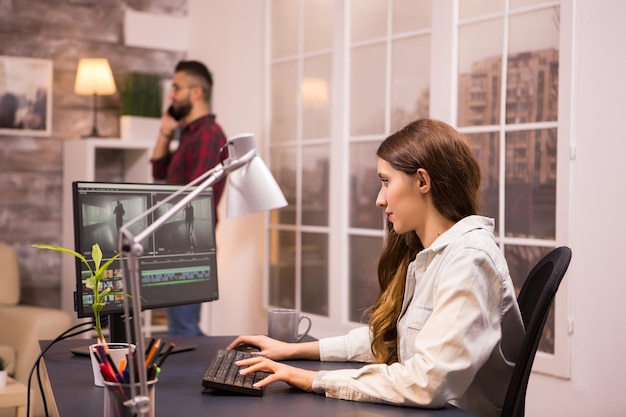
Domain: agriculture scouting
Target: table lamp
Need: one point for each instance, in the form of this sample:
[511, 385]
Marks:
[94, 77]
[251, 187]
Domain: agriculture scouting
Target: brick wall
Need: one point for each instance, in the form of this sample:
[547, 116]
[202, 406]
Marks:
[31, 167]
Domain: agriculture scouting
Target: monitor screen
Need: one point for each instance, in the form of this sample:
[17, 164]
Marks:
[179, 263]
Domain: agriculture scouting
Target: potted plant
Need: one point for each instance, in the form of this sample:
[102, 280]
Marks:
[141, 98]
[94, 282]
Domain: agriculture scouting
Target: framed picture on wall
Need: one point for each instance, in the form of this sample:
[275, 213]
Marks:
[25, 96]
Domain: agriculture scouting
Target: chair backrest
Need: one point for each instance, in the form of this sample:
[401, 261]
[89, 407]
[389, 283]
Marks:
[534, 300]
[9, 276]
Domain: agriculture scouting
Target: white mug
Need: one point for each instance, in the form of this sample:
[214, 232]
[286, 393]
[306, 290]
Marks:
[284, 324]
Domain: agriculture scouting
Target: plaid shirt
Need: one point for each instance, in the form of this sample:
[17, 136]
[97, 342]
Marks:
[198, 151]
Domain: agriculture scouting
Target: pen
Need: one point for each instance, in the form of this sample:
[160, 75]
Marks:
[157, 353]
[165, 354]
[122, 366]
[97, 355]
[107, 373]
[116, 373]
[149, 347]
[152, 372]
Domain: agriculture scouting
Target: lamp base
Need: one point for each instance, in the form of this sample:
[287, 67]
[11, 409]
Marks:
[93, 134]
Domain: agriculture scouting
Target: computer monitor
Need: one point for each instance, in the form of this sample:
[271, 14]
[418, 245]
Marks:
[179, 265]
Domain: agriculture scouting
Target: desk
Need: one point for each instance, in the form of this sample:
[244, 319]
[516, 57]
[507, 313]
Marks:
[179, 392]
[13, 394]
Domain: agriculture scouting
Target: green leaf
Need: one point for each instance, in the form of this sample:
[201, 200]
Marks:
[107, 264]
[94, 282]
[96, 255]
[90, 283]
[68, 251]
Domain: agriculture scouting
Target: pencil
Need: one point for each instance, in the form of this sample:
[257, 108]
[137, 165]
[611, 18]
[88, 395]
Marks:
[155, 346]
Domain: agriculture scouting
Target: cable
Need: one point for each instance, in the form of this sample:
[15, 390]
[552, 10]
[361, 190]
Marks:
[65, 335]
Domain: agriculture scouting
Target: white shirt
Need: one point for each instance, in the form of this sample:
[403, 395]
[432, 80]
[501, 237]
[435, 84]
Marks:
[459, 331]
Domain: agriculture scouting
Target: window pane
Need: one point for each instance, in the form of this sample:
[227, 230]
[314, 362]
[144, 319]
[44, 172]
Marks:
[314, 298]
[318, 25]
[284, 169]
[486, 148]
[364, 186]
[480, 60]
[411, 15]
[410, 80]
[282, 269]
[364, 254]
[533, 67]
[315, 185]
[316, 84]
[515, 4]
[530, 186]
[521, 260]
[367, 90]
[284, 101]
[284, 27]
[368, 19]
[477, 8]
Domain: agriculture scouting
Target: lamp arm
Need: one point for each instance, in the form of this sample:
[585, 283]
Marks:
[171, 196]
[131, 247]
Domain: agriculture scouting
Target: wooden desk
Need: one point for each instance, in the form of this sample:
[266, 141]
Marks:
[14, 395]
[179, 391]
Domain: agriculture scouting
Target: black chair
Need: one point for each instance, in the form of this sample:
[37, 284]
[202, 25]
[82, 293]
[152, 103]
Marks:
[534, 300]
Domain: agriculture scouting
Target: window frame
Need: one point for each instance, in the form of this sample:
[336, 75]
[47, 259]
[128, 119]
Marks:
[443, 106]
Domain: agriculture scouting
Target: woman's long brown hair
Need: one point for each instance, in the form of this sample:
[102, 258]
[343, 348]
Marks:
[455, 182]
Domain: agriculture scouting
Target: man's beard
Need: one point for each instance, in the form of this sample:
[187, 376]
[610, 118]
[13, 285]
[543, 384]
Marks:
[180, 111]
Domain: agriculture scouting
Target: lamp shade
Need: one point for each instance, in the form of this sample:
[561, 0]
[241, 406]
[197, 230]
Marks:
[94, 76]
[252, 188]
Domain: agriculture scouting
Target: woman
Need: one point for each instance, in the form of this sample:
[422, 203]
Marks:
[446, 326]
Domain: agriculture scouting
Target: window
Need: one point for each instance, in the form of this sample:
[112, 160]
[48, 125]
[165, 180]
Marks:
[301, 65]
[515, 130]
[345, 74]
[336, 92]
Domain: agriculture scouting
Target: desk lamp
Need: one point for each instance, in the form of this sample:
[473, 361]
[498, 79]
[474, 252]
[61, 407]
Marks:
[94, 77]
[251, 187]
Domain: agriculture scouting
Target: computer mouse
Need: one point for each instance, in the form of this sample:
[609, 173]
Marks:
[245, 347]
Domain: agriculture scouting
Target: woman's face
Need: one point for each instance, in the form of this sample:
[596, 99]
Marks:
[401, 198]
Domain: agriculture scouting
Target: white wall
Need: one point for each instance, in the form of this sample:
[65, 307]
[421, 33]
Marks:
[228, 36]
[598, 225]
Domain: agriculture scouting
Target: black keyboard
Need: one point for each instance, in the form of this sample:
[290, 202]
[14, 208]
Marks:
[224, 375]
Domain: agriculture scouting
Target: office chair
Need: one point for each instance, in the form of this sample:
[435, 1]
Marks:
[534, 300]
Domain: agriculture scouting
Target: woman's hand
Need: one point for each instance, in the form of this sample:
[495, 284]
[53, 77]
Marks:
[296, 377]
[270, 348]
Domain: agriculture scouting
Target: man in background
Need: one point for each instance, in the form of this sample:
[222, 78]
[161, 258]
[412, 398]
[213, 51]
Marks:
[200, 141]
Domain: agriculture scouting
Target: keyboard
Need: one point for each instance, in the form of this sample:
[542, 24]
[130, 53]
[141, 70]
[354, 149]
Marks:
[224, 375]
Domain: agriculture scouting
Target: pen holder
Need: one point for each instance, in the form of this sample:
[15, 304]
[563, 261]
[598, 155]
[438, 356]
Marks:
[117, 351]
[116, 395]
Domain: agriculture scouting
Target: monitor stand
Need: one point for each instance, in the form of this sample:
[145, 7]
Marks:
[117, 329]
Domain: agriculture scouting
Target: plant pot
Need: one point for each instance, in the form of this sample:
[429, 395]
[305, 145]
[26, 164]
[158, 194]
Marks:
[139, 128]
[117, 352]
[4, 374]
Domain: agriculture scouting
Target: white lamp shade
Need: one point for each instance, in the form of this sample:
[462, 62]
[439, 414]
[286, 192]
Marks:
[94, 76]
[252, 188]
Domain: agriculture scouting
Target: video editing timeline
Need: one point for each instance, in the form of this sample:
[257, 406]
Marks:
[179, 262]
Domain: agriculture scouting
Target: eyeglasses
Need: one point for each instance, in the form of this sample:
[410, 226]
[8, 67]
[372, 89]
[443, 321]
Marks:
[176, 88]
